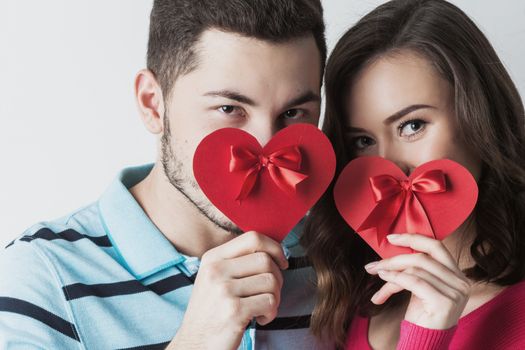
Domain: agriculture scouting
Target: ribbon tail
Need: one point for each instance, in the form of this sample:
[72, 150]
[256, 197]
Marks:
[383, 217]
[286, 179]
[416, 218]
[248, 183]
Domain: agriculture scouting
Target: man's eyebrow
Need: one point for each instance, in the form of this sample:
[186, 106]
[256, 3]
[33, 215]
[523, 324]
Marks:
[232, 95]
[308, 96]
[403, 112]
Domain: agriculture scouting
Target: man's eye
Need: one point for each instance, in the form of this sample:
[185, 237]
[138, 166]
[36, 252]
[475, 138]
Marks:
[411, 127]
[293, 114]
[227, 109]
[231, 110]
[362, 142]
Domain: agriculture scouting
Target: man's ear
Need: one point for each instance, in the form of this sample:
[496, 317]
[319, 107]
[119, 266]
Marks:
[150, 101]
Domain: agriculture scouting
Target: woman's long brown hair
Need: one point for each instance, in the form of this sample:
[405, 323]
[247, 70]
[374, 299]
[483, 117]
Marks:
[491, 122]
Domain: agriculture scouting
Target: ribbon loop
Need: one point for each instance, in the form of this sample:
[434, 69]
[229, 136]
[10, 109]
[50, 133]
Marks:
[397, 198]
[283, 167]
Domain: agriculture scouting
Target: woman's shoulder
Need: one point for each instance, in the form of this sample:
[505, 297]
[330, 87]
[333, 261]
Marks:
[498, 323]
[358, 334]
[514, 295]
[505, 306]
[510, 299]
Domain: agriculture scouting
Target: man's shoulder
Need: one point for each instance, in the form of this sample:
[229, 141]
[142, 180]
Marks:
[34, 269]
[40, 253]
[82, 224]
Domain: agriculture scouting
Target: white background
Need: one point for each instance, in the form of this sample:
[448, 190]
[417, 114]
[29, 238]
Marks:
[68, 121]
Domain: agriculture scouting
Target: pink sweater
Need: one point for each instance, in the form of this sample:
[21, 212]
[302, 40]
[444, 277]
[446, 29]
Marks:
[497, 324]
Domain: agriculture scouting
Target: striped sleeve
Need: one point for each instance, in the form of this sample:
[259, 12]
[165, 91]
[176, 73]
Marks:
[33, 311]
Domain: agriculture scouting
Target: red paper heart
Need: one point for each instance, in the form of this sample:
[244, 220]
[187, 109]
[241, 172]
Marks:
[267, 208]
[445, 211]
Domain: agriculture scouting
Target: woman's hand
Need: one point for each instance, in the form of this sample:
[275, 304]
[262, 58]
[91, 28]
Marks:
[439, 289]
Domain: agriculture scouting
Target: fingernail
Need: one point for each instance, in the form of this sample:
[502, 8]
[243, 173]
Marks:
[371, 265]
[382, 273]
[287, 255]
[374, 298]
[393, 237]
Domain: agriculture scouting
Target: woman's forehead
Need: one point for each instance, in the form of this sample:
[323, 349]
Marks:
[391, 83]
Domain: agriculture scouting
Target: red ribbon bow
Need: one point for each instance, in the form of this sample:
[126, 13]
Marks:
[283, 166]
[395, 198]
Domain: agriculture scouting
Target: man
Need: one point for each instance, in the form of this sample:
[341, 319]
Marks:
[153, 264]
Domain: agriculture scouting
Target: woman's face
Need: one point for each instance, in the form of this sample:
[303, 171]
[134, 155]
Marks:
[400, 108]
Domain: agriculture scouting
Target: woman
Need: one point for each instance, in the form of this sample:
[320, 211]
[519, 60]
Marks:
[415, 81]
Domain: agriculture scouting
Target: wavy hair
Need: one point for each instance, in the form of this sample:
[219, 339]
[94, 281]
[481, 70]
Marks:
[491, 122]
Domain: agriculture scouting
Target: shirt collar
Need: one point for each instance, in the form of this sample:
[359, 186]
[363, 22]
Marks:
[141, 247]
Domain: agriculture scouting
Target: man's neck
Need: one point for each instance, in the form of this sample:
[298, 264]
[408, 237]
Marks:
[175, 216]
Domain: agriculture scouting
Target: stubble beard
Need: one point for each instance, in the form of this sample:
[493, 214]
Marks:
[187, 186]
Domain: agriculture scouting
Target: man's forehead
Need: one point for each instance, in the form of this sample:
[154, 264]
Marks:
[218, 36]
[252, 70]
[216, 48]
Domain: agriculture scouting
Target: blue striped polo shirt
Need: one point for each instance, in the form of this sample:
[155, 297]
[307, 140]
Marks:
[104, 277]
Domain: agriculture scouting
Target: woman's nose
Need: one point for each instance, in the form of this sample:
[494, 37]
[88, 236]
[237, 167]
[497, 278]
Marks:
[401, 159]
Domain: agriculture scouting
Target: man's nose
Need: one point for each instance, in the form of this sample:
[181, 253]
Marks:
[263, 130]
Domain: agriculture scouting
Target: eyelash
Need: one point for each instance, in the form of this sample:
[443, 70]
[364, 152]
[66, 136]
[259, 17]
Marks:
[302, 113]
[357, 139]
[407, 122]
[234, 107]
[399, 128]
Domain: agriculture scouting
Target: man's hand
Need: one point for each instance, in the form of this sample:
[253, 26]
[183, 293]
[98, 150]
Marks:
[237, 281]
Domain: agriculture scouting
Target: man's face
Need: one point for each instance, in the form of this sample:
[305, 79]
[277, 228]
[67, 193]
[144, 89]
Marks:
[240, 82]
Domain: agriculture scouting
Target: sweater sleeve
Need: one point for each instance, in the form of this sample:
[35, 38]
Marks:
[414, 337]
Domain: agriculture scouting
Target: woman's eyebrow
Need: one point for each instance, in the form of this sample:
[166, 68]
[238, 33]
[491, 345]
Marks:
[353, 129]
[392, 118]
[403, 112]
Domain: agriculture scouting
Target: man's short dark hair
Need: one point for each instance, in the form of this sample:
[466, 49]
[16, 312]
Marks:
[176, 25]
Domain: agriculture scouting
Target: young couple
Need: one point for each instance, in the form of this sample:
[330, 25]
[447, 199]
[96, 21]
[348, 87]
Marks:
[153, 264]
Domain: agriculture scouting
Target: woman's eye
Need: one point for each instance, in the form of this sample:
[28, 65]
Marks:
[293, 114]
[411, 127]
[231, 110]
[362, 142]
